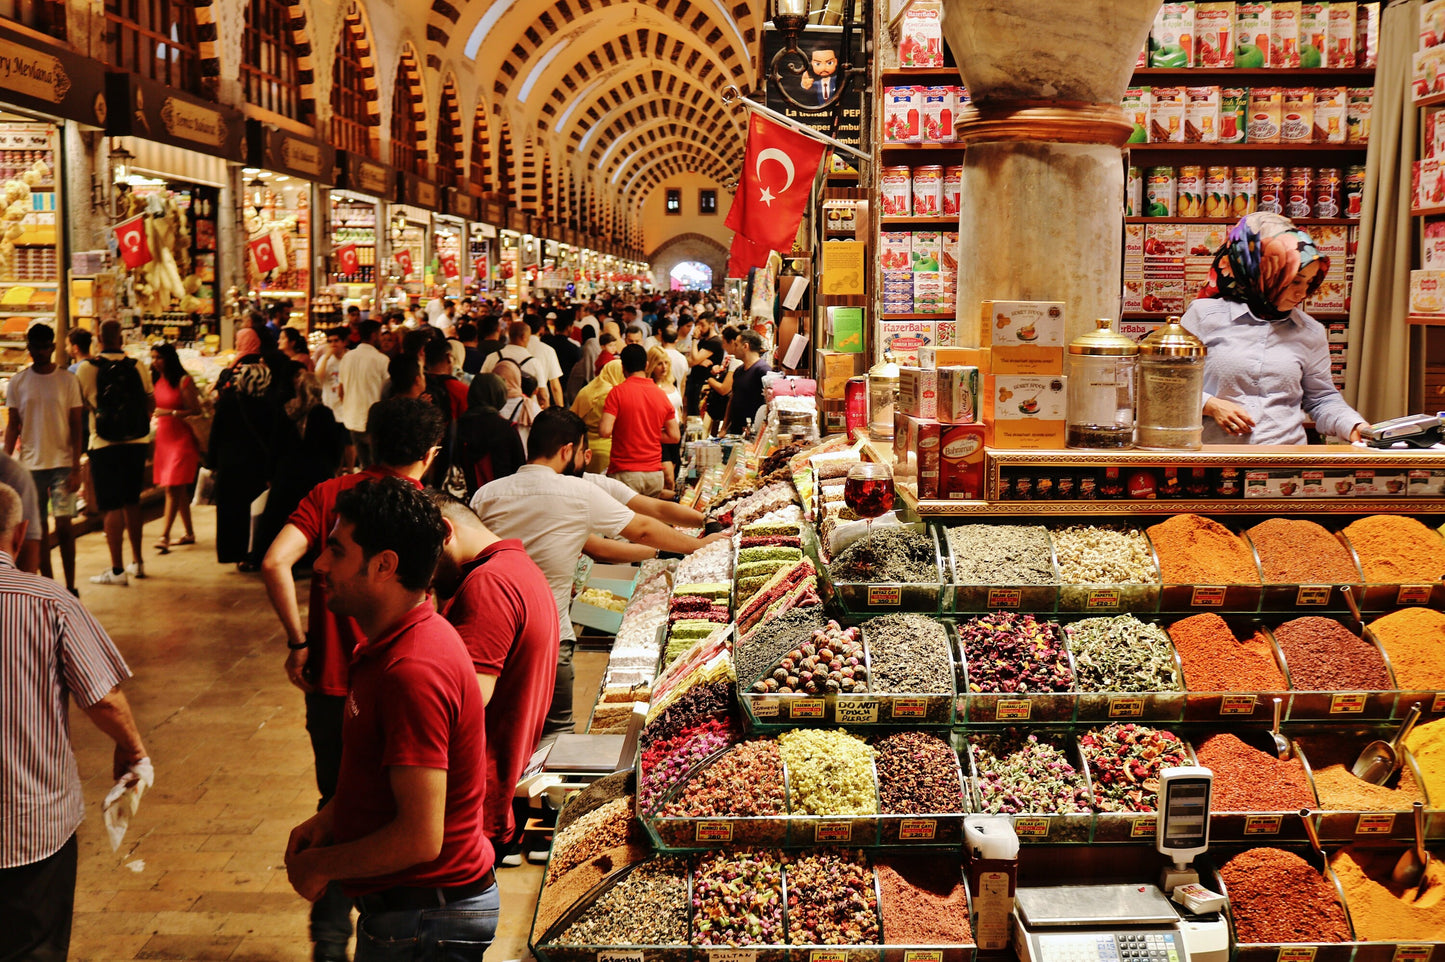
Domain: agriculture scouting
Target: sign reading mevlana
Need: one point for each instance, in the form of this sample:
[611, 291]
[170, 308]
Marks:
[285, 153]
[152, 111]
[52, 80]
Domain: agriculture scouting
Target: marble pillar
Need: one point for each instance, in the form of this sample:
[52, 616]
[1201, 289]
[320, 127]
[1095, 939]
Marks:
[1043, 172]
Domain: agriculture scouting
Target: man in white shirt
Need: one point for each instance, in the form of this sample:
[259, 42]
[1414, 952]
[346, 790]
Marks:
[551, 368]
[45, 422]
[667, 336]
[328, 367]
[517, 351]
[363, 374]
[548, 506]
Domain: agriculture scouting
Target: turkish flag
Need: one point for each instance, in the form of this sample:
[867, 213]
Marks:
[745, 255]
[776, 185]
[347, 260]
[403, 263]
[264, 251]
[479, 268]
[449, 265]
[130, 237]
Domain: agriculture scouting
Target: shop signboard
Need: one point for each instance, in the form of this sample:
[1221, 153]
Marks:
[461, 204]
[51, 80]
[816, 44]
[419, 192]
[274, 149]
[494, 210]
[364, 176]
[517, 221]
[140, 107]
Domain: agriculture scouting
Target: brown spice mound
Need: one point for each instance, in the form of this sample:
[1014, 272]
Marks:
[1331, 759]
[1384, 911]
[1249, 780]
[1276, 896]
[1197, 551]
[1214, 660]
[1324, 655]
[606, 827]
[1414, 638]
[1301, 553]
[558, 896]
[1397, 550]
[923, 901]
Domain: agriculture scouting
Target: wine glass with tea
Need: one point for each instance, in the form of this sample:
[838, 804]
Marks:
[868, 492]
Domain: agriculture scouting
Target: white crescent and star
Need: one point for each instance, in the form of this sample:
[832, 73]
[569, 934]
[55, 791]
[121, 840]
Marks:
[773, 153]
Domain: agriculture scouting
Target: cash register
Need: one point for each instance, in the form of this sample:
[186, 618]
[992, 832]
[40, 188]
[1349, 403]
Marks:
[1135, 922]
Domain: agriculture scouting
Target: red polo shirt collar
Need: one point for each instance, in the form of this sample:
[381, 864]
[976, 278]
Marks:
[405, 623]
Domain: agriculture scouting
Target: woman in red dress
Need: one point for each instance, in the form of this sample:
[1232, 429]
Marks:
[177, 456]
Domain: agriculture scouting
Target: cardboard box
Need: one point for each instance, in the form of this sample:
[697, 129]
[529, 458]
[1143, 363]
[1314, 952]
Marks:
[1202, 115]
[916, 451]
[1025, 337]
[1427, 292]
[1331, 111]
[1136, 103]
[1171, 42]
[1028, 411]
[1432, 23]
[1284, 34]
[833, 369]
[1214, 34]
[1427, 72]
[902, 115]
[918, 392]
[895, 250]
[1233, 114]
[958, 388]
[1266, 113]
[903, 339]
[1360, 104]
[961, 457]
[921, 43]
[1314, 23]
[1432, 253]
[1252, 25]
[943, 355]
[932, 294]
[1340, 35]
[1367, 35]
[1297, 121]
[926, 251]
[1166, 115]
[938, 115]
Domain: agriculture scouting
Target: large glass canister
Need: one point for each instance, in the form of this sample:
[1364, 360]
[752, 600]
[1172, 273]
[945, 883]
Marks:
[882, 399]
[1171, 389]
[1101, 389]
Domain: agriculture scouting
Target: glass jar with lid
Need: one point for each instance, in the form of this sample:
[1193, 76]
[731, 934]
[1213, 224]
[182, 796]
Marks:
[1171, 389]
[1101, 389]
[882, 398]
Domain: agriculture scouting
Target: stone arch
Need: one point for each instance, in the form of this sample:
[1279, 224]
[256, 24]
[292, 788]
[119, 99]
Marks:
[353, 32]
[449, 141]
[687, 247]
[409, 90]
[482, 161]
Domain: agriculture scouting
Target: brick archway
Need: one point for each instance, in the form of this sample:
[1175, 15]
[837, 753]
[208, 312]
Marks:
[687, 247]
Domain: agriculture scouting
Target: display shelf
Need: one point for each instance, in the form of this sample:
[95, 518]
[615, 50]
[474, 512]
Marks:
[1153, 315]
[1301, 148]
[919, 221]
[1297, 221]
[1436, 211]
[914, 317]
[1242, 76]
[1433, 100]
[922, 148]
[903, 75]
[1426, 320]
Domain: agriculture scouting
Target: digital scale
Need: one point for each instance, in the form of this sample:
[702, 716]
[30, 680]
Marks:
[1133, 922]
[1414, 430]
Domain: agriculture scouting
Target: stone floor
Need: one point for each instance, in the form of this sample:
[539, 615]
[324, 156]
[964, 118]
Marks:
[199, 876]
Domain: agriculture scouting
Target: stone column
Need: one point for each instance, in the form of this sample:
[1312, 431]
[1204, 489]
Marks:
[1043, 174]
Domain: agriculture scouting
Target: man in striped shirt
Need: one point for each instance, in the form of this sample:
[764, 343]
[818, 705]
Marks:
[51, 650]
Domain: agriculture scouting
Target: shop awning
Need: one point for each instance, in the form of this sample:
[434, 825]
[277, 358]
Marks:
[365, 176]
[51, 80]
[151, 111]
[272, 148]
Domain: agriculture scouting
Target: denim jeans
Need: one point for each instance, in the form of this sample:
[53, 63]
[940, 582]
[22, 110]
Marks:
[330, 914]
[459, 932]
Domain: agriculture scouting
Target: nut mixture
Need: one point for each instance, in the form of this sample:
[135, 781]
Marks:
[909, 654]
[1092, 555]
[829, 662]
[831, 899]
[917, 775]
[737, 899]
[829, 772]
[769, 642]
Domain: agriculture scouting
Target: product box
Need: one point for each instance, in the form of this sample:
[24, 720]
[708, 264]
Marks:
[1164, 295]
[915, 452]
[1164, 243]
[961, 456]
[833, 369]
[1171, 42]
[949, 260]
[932, 294]
[1432, 23]
[1214, 34]
[895, 250]
[958, 388]
[1282, 483]
[1427, 72]
[1025, 337]
[945, 356]
[1233, 114]
[1284, 34]
[1314, 23]
[1367, 35]
[1297, 124]
[1331, 111]
[1360, 104]
[938, 115]
[918, 392]
[1201, 115]
[1430, 191]
[902, 115]
[1136, 108]
[1252, 25]
[926, 250]
[1028, 411]
[921, 42]
[1340, 35]
[1133, 298]
[1134, 249]
[1432, 253]
[1266, 113]
[1166, 115]
[1427, 292]
[902, 339]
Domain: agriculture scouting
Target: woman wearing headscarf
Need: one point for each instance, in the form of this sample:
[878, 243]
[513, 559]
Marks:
[241, 448]
[308, 446]
[488, 445]
[518, 408]
[588, 406]
[577, 378]
[1268, 363]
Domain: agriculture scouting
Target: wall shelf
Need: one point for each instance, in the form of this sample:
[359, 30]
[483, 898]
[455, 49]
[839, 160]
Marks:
[1301, 221]
[1310, 148]
[951, 221]
[900, 75]
[1269, 76]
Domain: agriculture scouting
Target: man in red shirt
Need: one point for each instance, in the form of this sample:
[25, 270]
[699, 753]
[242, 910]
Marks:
[639, 419]
[405, 433]
[403, 834]
[499, 601]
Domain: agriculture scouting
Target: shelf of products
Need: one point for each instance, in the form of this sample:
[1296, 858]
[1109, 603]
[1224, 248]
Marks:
[1427, 279]
[278, 208]
[353, 246]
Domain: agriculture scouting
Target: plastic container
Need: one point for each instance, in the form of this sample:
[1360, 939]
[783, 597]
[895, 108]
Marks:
[1311, 598]
[1345, 706]
[1151, 707]
[1133, 827]
[1379, 596]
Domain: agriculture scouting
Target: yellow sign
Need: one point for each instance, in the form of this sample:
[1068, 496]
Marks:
[299, 155]
[188, 121]
[917, 829]
[1207, 596]
[33, 73]
[1237, 705]
[1126, 706]
[1348, 703]
[844, 268]
[1312, 595]
[1262, 824]
[1378, 823]
[1012, 709]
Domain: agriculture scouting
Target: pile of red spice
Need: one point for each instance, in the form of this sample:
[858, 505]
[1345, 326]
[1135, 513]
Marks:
[1249, 780]
[1197, 551]
[1214, 660]
[1414, 638]
[923, 901]
[1276, 897]
[1324, 655]
[1301, 553]
[1397, 550]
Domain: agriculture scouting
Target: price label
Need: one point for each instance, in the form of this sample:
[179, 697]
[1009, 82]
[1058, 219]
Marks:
[827, 955]
[732, 955]
[1262, 824]
[833, 832]
[615, 956]
[1005, 597]
[1376, 823]
[1031, 826]
[917, 829]
[1297, 953]
[1348, 703]
[1126, 706]
[805, 708]
[1207, 596]
[1013, 709]
[919, 956]
[1413, 953]
[1312, 595]
[856, 711]
[1237, 705]
[885, 596]
[714, 831]
[765, 707]
[1142, 827]
[910, 707]
[1413, 595]
[1438, 705]
[1101, 598]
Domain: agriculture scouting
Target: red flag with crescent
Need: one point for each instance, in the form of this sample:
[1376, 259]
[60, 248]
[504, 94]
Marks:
[130, 238]
[745, 255]
[264, 251]
[776, 184]
[347, 259]
[403, 263]
[449, 265]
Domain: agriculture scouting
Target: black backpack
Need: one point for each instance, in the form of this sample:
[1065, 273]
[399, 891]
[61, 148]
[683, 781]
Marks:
[121, 411]
[529, 381]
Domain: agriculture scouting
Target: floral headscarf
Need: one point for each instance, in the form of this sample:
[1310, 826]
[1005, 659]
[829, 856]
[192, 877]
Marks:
[1262, 256]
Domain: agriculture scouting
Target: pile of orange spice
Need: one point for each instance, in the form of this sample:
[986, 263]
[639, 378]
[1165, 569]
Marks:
[1382, 910]
[1397, 550]
[1197, 551]
[1214, 660]
[1414, 639]
[1296, 552]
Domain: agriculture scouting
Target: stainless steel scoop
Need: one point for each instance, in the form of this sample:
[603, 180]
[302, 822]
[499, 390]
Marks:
[1381, 759]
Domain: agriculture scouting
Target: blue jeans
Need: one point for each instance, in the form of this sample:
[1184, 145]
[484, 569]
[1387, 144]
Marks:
[459, 932]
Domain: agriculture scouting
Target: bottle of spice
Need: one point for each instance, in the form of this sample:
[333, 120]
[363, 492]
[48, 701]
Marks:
[1171, 389]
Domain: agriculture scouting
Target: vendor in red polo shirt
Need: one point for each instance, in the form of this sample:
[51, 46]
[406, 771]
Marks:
[404, 435]
[403, 834]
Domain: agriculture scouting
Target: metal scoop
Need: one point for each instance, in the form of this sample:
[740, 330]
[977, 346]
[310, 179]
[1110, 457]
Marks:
[1381, 759]
[1281, 744]
[1354, 607]
[1314, 836]
[1410, 869]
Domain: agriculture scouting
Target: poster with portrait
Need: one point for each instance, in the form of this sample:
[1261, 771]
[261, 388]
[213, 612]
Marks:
[822, 52]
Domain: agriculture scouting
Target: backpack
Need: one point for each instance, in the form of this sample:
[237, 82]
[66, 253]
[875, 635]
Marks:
[121, 411]
[529, 381]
